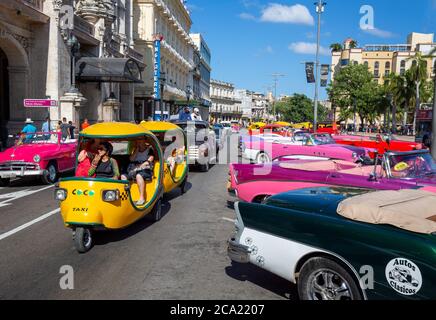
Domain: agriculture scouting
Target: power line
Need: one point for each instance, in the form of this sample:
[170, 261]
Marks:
[276, 77]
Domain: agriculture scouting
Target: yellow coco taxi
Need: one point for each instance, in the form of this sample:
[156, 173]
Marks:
[92, 202]
[173, 141]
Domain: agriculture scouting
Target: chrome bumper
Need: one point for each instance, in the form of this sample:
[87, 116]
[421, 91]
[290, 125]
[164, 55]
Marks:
[20, 173]
[238, 252]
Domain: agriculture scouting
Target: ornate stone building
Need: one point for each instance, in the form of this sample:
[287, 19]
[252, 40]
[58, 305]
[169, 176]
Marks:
[225, 106]
[43, 41]
[170, 19]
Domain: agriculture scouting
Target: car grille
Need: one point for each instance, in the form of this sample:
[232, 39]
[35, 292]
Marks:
[17, 166]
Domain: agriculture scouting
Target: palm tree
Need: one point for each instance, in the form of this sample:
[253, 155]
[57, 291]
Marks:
[336, 47]
[418, 73]
[353, 44]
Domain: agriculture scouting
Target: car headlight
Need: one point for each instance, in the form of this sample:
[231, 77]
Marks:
[111, 195]
[61, 194]
[36, 158]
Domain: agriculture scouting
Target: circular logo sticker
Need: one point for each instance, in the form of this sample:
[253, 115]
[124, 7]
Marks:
[404, 276]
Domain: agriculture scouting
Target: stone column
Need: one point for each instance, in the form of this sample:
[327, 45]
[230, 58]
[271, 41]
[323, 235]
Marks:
[70, 106]
[111, 110]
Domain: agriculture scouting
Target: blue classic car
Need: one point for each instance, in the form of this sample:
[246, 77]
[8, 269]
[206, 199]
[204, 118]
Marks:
[339, 243]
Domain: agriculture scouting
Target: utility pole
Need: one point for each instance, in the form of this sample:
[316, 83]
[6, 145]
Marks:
[320, 5]
[276, 77]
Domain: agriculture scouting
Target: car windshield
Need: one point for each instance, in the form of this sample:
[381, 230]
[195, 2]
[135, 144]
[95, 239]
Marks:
[411, 166]
[37, 138]
[321, 139]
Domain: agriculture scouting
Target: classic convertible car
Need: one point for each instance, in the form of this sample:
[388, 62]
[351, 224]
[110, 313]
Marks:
[315, 147]
[393, 171]
[349, 244]
[383, 143]
[42, 155]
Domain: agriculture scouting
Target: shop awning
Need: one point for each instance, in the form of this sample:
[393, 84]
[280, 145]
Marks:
[108, 70]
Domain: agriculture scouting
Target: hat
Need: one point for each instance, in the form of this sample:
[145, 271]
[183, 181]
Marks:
[28, 120]
[196, 110]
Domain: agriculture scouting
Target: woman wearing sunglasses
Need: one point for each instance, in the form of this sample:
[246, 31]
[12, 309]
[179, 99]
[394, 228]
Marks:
[103, 166]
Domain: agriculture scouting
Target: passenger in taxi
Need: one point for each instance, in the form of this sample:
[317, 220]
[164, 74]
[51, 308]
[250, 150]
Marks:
[103, 166]
[140, 168]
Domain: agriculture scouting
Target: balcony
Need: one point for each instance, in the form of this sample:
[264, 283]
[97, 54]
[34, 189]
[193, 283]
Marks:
[84, 26]
[135, 55]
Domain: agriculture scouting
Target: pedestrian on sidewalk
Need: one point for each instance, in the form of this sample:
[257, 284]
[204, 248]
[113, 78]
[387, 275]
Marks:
[85, 124]
[65, 129]
[72, 128]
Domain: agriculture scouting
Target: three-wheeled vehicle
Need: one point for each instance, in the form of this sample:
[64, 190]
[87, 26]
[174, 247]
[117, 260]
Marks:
[173, 142]
[91, 204]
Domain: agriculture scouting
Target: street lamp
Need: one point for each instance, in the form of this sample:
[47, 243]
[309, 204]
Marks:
[320, 6]
[162, 80]
[74, 47]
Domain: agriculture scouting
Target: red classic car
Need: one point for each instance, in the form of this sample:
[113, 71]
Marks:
[38, 154]
[381, 143]
[275, 129]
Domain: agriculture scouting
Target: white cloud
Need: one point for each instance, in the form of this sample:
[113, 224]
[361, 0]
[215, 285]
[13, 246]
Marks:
[308, 48]
[379, 33]
[269, 49]
[247, 16]
[296, 14]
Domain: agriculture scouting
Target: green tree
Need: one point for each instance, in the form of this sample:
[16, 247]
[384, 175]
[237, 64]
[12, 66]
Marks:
[354, 91]
[299, 108]
[353, 44]
[336, 47]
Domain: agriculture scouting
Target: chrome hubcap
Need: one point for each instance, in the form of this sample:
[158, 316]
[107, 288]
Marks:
[87, 238]
[328, 285]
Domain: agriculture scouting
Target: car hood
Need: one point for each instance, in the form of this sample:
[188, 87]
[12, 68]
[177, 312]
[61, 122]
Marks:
[27, 152]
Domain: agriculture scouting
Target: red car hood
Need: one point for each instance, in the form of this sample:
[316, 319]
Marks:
[27, 152]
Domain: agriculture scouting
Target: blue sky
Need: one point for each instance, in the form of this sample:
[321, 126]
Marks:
[252, 39]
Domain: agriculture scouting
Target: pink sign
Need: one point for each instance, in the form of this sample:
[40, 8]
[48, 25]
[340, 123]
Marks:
[40, 103]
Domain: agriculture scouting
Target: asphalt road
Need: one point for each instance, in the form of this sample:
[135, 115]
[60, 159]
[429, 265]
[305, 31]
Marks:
[181, 257]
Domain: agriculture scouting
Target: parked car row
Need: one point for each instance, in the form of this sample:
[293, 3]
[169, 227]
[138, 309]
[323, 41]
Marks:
[338, 227]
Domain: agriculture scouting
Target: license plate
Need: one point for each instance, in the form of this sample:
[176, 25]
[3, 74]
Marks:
[7, 175]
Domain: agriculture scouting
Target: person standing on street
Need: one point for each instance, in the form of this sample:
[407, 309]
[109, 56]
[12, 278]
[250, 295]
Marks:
[72, 128]
[65, 129]
[46, 128]
[85, 124]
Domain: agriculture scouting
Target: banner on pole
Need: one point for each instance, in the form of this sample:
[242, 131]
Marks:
[156, 74]
[324, 74]
[310, 75]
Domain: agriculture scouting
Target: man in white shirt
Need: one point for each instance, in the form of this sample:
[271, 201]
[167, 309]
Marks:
[196, 116]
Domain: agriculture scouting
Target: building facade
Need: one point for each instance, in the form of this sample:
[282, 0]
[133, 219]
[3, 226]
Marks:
[255, 106]
[384, 59]
[202, 74]
[225, 106]
[170, 20]
[48, 49]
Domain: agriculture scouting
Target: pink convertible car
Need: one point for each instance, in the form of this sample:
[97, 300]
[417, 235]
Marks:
[314, 147]
[39, 155]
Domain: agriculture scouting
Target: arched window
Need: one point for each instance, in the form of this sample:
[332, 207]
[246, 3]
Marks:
[376, 65]
[387, 65]
[403, 63]
[366, 64]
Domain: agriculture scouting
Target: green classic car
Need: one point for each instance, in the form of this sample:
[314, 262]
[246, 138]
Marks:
[343, 243]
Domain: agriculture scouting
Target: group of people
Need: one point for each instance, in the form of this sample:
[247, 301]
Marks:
[67, 129]
[96, 161]
[186, 115]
